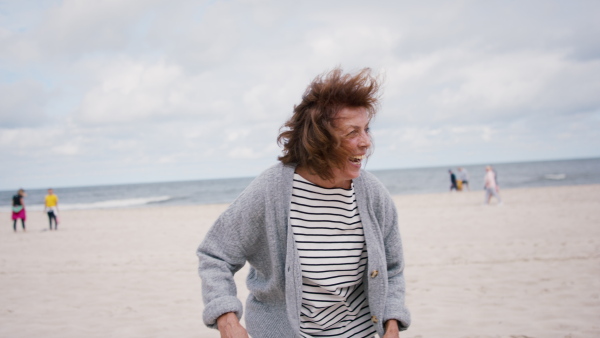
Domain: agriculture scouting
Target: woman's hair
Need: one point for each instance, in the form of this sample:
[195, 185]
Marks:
[309, 137]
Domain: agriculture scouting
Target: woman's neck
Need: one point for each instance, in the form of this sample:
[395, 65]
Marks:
[316, 179]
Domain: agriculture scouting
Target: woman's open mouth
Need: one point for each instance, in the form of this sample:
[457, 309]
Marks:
[357, 159]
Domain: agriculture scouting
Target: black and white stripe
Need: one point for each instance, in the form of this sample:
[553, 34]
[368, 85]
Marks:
[333, 257]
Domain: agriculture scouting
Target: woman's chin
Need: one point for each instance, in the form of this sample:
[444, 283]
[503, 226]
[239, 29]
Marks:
[353, 172]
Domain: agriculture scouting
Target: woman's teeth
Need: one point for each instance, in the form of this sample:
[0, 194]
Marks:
[357, 159]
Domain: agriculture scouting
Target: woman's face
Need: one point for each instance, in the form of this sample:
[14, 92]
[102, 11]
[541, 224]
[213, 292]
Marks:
[352, 125]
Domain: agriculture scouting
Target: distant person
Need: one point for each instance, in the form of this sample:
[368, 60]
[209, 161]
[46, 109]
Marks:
[490, 186]
[496, 179]
[51, 207]
[453, 185]
[463, 176]
[18, 209]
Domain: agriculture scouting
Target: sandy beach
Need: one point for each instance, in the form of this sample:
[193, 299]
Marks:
[528, 268]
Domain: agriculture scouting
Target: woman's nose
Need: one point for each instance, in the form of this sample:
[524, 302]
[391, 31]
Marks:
[365, 140]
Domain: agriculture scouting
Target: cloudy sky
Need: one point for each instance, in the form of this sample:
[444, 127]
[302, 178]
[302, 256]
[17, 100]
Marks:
[103, 92]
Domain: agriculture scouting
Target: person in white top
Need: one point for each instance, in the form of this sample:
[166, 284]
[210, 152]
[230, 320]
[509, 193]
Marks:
[490, 186]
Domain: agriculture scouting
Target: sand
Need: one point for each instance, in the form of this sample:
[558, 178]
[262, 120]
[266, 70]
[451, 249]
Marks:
[528, 268]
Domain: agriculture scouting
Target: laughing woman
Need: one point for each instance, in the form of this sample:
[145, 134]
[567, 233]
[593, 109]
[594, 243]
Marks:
[320, 234]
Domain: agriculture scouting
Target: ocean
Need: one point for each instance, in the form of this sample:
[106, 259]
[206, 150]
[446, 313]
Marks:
[397, 181]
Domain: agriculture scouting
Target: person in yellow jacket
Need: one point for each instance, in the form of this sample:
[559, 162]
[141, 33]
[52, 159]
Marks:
[51, 207]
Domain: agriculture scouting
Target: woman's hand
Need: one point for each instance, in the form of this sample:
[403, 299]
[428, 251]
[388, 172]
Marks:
[230, 326]
[391, 329]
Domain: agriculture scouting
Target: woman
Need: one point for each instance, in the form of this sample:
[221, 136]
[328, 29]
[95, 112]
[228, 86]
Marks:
[320, 234]
[490, 185]
[18, 209]
[51, 207]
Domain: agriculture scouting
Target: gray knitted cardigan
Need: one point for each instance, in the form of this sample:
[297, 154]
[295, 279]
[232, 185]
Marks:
[255, 229]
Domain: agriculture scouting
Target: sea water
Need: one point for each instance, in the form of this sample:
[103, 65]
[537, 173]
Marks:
[397, 181]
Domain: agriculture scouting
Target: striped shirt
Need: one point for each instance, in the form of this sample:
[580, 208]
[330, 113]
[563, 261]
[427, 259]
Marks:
[333, 257]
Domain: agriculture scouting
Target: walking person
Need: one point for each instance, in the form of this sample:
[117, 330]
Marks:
[490, 186]
[320, 234]
[453, 185]
[463, 175]
[18, 209]
[51, 207]
[496, 180]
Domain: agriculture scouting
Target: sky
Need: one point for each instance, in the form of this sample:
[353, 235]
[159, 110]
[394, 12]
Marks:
[112, 92]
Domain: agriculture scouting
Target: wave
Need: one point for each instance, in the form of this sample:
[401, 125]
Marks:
[555, 177]
[123, 203]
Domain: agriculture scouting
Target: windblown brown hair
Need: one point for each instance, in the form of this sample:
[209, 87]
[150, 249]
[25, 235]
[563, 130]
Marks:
[308, 137]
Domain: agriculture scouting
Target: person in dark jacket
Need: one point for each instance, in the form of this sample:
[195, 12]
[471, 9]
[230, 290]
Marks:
[453, 185]
[18, 209]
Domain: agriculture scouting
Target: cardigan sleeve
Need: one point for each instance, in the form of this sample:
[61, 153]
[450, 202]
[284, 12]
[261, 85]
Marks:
[224, 251]
[395, 307]
[386, 213]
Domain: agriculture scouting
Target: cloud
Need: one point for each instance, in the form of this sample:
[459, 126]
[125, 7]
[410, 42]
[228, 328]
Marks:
[158, 90]
[127, 91]
[22, 104]
[456, 87]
